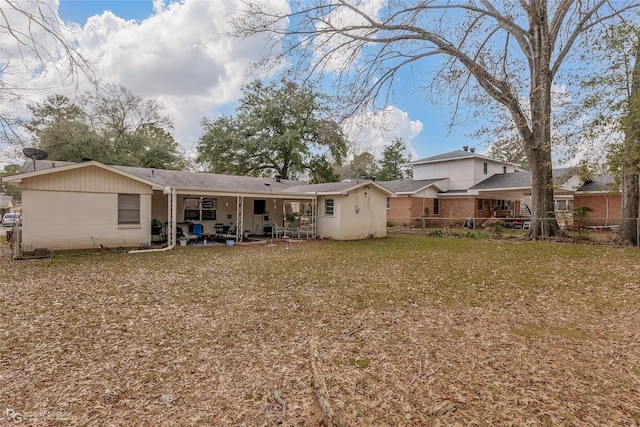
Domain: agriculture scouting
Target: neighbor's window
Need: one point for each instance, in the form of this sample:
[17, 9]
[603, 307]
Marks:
[128, 209]
[479, 204]
[436, 206]
[328, 207]
[200, 209]
[485, 168]
[561, 205]
[388, 202]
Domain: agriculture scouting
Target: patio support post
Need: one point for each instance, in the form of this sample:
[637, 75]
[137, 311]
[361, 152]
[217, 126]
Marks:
[239, 218]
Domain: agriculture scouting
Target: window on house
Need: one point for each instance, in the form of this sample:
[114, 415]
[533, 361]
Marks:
[200, 209]
[388, 202]
[485, 168]
[209, 209]
[561, 205]
[479, 204]
[328, 207]
[504, 169]
[128, 209]
[504, 205]
[436, 206]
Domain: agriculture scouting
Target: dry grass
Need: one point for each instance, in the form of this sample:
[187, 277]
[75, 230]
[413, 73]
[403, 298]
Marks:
[410, 331]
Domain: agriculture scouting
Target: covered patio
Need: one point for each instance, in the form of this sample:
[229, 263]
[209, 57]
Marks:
[209, 216]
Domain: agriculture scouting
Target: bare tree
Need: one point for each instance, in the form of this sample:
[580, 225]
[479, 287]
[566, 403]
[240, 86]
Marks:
[506, 51]
[33, 41]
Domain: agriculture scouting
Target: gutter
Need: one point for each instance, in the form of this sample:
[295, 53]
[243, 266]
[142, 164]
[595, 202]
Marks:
[140, 251]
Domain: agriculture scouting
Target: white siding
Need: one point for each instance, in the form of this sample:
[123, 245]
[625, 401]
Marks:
[62, 220]
[461, 173]
[92, 179]
[349, 223]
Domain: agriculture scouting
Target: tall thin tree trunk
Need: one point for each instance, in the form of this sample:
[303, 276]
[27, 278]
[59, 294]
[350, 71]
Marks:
[628, 230]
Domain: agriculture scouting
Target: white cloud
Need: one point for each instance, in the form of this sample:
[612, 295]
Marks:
[371, 131]
[182, 55]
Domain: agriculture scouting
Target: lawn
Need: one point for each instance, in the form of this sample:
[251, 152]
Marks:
[409, 330]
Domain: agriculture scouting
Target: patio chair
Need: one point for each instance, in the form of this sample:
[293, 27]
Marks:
[309, 230]
[278, 231]
[198, 230]
[180, 234]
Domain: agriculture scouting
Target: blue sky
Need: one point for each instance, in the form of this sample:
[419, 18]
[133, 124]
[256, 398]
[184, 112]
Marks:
[80, 10]
[420, 124]
[180, 54]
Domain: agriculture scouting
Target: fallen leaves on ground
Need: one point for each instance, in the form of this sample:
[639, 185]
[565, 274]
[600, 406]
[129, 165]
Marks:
[410, 331]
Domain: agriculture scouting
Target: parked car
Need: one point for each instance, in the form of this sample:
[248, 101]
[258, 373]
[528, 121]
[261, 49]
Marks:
[9, 219]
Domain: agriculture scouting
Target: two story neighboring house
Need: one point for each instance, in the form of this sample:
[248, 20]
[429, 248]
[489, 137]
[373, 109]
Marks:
[462, 185]
[446, 186]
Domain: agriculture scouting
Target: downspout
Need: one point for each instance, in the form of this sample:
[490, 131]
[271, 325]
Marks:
[171, 200]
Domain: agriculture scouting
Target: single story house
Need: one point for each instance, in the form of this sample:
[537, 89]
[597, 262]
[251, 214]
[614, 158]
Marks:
[90, 205]
[7, 204]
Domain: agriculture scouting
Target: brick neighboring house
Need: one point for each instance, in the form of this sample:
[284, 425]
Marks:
[602, 195]
[463, 187]
[414, 201]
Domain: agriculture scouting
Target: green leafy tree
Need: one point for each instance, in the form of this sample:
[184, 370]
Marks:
[283, 130]
[395, 162]
[6, 189]
[501, 53]
[611, 112]
[63, 131]
[630, 164]
[363, 164]
[133, 129]
[113, 126]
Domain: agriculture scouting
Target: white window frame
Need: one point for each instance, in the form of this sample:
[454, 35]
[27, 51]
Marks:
[329, 207]
[128, 209]
[199, 209]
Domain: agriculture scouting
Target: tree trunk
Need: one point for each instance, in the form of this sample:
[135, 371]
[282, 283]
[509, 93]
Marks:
[543, 219]
[628, 230]
[537, 141]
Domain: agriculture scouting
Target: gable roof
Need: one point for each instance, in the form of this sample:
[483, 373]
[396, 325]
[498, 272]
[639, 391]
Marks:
[201, 181]
[457, 155]
[6, 202]
[49, 167]
[409, 186]
[329, 188]
[601, 183]
[186, 180]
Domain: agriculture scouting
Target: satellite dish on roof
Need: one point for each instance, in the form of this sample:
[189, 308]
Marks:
[34, 154]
